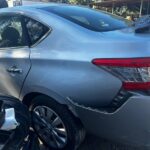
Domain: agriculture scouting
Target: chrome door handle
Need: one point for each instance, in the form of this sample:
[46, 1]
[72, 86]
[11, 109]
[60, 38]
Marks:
[14, 69]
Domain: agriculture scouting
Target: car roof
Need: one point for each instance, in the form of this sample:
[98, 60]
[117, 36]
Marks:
[35, 6]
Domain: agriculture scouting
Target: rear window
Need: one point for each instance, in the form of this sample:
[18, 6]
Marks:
[89, 18]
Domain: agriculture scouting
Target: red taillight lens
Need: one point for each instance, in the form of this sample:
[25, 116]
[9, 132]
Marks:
[136, 86]
[134, 72]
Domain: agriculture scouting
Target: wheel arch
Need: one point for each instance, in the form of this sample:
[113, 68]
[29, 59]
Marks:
[27, 100]
[27, 94]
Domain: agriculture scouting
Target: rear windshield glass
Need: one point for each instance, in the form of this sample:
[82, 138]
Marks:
[89, 18]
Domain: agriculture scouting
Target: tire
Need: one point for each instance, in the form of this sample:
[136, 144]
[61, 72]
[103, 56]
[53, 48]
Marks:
[73, 132]
[14, 139]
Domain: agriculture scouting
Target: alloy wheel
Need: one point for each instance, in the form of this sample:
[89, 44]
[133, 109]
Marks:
[50, 127]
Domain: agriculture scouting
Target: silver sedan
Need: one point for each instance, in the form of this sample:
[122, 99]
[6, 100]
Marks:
[78, 70]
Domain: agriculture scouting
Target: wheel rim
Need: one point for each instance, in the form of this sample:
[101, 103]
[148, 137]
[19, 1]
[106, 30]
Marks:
[50, 127]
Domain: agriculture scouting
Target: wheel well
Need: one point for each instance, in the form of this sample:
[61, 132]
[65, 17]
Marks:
[29, 97]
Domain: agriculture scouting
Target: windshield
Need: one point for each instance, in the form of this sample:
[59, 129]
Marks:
[89, 18]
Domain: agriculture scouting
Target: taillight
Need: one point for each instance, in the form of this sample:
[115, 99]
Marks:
[133, 72]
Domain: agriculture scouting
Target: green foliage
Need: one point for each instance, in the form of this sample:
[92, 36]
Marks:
[79, 2]
[73, 1]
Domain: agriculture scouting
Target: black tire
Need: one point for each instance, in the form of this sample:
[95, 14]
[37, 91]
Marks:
[14, 139]
[74, 129]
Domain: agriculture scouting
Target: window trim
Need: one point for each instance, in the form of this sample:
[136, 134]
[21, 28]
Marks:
[41, 39]
[18, 47]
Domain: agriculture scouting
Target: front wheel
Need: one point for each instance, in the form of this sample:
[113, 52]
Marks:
[55, 124]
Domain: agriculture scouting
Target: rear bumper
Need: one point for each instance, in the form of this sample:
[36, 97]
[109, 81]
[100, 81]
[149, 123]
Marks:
[130, 124]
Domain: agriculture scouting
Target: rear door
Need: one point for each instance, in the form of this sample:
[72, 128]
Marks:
[14, 54]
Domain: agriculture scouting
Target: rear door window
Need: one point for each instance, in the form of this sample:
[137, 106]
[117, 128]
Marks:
[36, 30]
[11, 32]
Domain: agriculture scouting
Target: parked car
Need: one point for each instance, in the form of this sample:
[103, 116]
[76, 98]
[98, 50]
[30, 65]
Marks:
[78, 70]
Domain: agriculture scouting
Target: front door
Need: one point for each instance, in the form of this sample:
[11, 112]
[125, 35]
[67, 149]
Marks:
[14, 55]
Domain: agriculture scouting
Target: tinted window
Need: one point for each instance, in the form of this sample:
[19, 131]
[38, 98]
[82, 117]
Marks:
[36, 30]
[11, 32]
[89, 18]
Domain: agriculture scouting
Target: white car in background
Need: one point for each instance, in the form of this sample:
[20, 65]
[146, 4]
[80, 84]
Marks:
[12, 3]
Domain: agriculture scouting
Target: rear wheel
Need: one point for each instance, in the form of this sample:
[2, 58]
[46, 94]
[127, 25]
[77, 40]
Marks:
[55, 124]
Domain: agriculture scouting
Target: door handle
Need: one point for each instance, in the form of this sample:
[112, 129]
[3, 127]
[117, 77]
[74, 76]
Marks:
[14, 69]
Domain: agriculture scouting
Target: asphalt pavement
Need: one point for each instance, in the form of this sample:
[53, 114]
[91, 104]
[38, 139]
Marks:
[95, 143]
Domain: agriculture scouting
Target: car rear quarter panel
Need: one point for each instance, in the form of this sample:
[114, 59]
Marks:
[62, 68]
